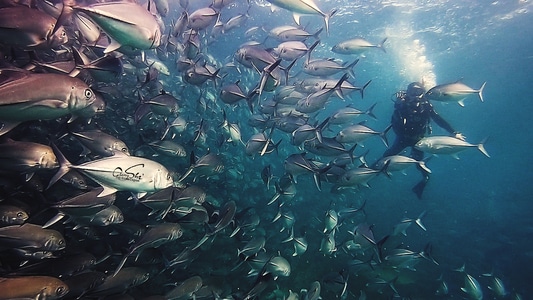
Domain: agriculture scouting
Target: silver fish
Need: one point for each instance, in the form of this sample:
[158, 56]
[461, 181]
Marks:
[203, 17]
[120, 173]
[453, 92]
[186, 289]
[356, 46]
[472, 288]
[127, 23]
[100, 143]
[447, 145]
[303, 7]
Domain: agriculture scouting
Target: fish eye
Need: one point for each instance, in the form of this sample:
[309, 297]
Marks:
[20, 214]
[125, 150]
[60, 290]
[88, 93]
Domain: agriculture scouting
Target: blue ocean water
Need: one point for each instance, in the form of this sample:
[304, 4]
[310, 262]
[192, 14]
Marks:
[477, 209]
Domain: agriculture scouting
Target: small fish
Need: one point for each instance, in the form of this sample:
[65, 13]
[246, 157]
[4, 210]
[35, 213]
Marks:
[201, 18]
[278, 266]
[154, 237]
[472, 288]
[356, 46]
[31, 237]
[100, 143]
[186, 289]
[32, 287]
[303, 7]
[401, 228]
[12, 215]
[266, 175]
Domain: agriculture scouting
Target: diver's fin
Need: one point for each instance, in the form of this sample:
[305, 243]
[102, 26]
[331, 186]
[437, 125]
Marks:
[419, 188]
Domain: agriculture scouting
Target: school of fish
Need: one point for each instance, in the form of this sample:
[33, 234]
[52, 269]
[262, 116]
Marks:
[140, 159]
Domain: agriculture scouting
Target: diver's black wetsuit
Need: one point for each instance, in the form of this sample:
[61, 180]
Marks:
[411, 122]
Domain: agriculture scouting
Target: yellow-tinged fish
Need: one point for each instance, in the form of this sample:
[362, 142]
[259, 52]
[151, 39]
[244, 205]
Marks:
[30, 28]
[26, 96]
[32, 287]
[31, 237]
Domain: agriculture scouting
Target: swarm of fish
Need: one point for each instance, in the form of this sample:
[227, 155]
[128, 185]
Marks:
[136, 158]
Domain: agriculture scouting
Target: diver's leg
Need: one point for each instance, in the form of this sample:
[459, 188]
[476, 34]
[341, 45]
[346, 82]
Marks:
[419, 187]
[396, 148]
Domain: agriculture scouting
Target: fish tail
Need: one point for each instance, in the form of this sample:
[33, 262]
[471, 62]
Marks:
[422, 165]
[317, 34]
[383, 135]
[318, 131]
[364, 87]
[418, 221]
[121, 264]
[327, 17]
[481, 147]
[64, 166]
[380, 45]
[480, 91]
[350, 67]
[369, 111]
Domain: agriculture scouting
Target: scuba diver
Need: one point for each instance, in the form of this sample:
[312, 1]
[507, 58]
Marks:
[411, 122]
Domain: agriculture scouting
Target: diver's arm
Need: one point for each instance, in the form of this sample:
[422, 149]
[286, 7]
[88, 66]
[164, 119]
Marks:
[441, 122]
[445, 125]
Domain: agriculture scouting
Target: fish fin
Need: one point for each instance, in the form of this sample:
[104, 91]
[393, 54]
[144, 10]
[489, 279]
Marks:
[418, 221]
[418, 189]
[461, 102]
[364, 87]
[114, 45]
[106, 191]
[327, 17]
[481, 147]
[296, 18]
[201, 242]
[28, 176]
[480, 92]
[121, 264]
[49, 103]
[7, 126]
[64, 166]
[369, 112]
[54, 220]
[380, 45]
[423, 166]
